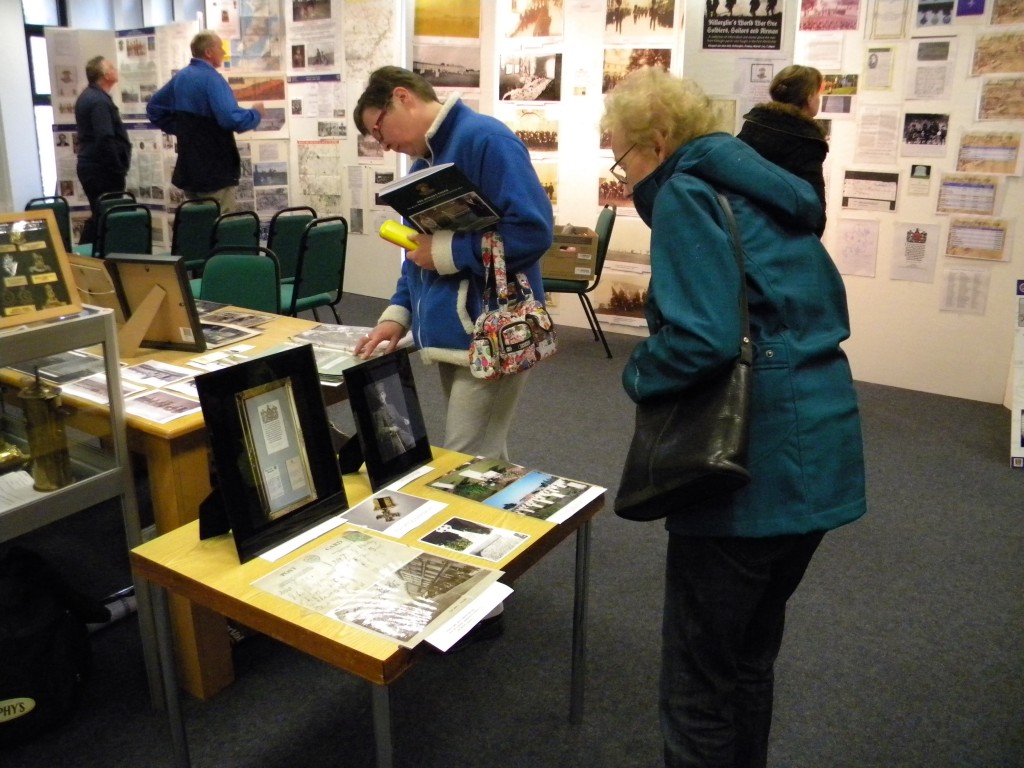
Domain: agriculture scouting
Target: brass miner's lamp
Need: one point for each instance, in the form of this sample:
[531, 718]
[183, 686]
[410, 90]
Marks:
[47, 441]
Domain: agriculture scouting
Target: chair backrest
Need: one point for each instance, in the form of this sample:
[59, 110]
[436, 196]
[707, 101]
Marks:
[244, 276]
[61, 211]
[126, 228]
[109, 199]
[193, 227]
[321, 265]
[286, 227]
[238, 228]
[603, 228]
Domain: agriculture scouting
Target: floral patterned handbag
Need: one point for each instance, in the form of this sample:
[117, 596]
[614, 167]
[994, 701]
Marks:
[519, 333]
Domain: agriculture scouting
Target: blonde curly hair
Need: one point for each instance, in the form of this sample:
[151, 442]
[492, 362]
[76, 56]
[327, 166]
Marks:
[650, 101]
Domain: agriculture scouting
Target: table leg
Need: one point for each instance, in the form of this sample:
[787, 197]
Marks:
[150, 647]
[147, 626]
[579, 624]
[382, 725]
[179, 478]
[172, 699]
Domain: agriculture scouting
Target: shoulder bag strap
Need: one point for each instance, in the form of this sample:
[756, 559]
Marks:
[493, 249]
[737, 245]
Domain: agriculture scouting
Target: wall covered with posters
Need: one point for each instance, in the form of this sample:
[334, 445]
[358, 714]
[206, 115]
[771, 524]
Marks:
[922, 103]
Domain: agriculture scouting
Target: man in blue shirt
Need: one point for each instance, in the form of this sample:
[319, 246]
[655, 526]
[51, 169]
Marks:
[199, 108]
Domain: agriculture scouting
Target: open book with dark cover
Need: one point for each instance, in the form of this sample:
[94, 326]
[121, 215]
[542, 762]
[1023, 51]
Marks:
[440, 197]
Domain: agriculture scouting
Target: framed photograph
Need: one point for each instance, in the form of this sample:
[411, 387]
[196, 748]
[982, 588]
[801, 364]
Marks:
[387, 413]
[276, 469]
[36, 282]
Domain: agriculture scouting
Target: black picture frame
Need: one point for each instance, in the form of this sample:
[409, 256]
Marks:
[387, 413]
[276, 471]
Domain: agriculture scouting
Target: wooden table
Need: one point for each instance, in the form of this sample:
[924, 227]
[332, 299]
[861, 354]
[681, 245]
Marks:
[178, 466]
[208, 574]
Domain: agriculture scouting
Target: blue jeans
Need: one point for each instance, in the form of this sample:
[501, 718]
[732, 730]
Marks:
[725, 611]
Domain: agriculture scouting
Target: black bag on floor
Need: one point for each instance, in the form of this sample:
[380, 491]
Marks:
[44, 645]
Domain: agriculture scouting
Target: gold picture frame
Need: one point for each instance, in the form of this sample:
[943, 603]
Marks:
[36, 281]
[276, 447]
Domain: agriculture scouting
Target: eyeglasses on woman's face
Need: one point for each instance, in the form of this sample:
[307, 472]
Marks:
[375, 131]
[617, 170]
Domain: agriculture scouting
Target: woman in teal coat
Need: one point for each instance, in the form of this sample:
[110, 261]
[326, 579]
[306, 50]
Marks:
[733, 563]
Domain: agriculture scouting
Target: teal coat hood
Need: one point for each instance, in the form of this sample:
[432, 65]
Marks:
[729, 165]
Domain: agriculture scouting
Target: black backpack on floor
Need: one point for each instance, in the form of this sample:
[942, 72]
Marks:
[44, 645]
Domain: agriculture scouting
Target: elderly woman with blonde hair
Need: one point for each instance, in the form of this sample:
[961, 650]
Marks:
[734, 560]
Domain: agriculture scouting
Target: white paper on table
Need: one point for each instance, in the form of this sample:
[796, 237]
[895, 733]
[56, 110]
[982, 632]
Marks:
[445, 636]
[408, 478]
[282, 549]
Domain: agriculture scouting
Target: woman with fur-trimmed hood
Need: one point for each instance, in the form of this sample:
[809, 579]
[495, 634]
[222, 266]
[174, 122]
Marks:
[784, 130]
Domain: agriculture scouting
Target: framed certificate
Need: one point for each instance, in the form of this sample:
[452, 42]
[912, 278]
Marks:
[277, 473]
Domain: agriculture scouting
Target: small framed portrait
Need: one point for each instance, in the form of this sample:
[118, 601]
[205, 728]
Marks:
[386, 409]
[277, 473]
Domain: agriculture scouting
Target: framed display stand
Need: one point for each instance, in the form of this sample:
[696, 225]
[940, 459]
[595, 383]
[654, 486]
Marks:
[385, 406]
[35, 277]
[277, 474]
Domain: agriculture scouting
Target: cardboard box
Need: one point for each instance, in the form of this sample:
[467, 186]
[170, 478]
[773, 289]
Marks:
[572, 256]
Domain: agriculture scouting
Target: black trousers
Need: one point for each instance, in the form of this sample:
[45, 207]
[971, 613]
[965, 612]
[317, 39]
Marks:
[96, 181]
[725, 611]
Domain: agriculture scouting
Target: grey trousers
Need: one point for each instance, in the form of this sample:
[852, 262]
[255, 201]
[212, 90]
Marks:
[479, 412]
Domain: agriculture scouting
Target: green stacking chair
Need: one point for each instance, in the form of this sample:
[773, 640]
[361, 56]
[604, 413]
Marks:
[320, 275]
[61, 211]
[105, 202]
[243, 276]
[605, 222]
[192, 230]
[286, 227]
[237, 228]
[108, 199]
[125, 228]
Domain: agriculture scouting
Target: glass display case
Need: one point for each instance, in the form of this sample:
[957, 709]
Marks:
[76, 428]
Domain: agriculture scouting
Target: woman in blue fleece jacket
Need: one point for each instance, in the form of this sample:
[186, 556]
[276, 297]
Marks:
[733, 563]
[439, 292]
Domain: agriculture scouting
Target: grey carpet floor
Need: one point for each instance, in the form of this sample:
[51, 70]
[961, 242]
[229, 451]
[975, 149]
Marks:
[904, 645]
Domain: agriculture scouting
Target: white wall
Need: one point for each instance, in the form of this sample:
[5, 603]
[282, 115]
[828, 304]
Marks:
[899, 335]
[20, 176]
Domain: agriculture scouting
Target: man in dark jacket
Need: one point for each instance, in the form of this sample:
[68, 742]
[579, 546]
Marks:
[198, 106]
[104, 151]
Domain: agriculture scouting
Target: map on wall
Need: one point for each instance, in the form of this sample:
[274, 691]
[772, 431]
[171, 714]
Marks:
[369, 38]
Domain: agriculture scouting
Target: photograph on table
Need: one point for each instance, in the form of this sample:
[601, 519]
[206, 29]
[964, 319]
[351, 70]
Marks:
[388, 417]
[276, 470]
